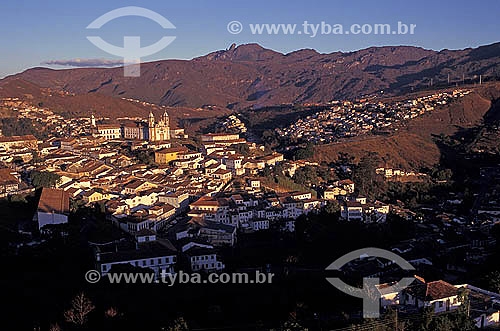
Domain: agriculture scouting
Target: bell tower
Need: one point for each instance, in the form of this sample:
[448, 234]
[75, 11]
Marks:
[151, 119]
[165, 119]
[151, 127]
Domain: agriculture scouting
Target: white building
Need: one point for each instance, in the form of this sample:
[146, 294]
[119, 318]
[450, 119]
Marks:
[158, 256]
[203, 259]
[109, 131]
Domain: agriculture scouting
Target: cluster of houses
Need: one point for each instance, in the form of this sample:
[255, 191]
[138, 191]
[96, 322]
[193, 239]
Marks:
[183, 205]
[52, 123]
[11, 183]
[232, 124]
[178, 213]
[390, 173]
[349, 119]
[17, 148]
[354, 207]
[254, 212]
[292, 166]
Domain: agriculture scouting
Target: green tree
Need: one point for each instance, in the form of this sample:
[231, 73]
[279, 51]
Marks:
[243, 149]
[35, 158]
[306, 175]
[44, 178]
[332, 207]
[304, 153]
[457, 320]
[12, 126]
[18, 198]
[367, 181]
[345, 159]
[266, 172]
[269, 138]
[444, 174]
[145, 157]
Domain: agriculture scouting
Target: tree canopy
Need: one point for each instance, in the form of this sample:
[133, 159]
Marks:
[44, 178]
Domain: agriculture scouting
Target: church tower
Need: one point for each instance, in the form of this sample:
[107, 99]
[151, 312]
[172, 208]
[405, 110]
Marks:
[165, 119]
[151, 127]
[151, 120]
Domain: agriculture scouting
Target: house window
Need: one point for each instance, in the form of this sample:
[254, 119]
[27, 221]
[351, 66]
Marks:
[440, 304]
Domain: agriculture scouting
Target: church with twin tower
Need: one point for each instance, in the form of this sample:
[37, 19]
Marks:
[160, 130]
[150, 130]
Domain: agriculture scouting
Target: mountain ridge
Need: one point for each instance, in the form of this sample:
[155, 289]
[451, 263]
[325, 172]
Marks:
[250, 75]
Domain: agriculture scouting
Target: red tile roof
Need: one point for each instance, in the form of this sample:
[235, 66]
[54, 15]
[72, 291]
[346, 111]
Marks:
[433, 290]
[54, 201]
[17, 138]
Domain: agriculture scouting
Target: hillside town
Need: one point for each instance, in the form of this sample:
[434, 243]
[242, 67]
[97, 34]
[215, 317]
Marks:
[181, 193]
[177, 202]
[347, 119]
[250, 166]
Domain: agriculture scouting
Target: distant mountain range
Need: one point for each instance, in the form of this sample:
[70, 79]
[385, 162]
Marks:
[250, 75]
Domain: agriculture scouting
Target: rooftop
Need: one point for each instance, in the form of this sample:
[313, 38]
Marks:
[54, 201]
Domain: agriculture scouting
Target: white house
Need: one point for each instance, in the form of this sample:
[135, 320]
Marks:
[439, 295]
[158, 256]
[203, 259]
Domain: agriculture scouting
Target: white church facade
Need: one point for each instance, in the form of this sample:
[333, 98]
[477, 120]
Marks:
[151, 130]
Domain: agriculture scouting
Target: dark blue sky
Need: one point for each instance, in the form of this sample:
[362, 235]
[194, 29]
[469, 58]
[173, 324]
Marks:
[34, 31]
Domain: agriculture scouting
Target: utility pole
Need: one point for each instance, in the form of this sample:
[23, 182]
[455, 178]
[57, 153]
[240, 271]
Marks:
[431, 82]
[463, 79]
[480, 79]
[396, 327]
[448, 79]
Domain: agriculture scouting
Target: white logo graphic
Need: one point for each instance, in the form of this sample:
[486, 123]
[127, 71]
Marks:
[369, 292]
[92, 276]
[131, 50]
[234, 27]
